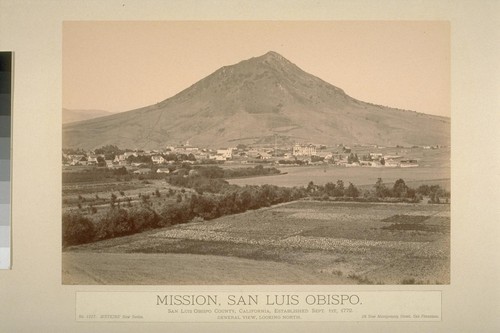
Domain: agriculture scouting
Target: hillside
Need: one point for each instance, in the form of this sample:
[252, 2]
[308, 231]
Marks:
[70, 115]
[254, 102]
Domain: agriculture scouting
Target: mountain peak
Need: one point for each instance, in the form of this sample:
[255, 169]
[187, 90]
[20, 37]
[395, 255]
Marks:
[271, 55]
[250, 102]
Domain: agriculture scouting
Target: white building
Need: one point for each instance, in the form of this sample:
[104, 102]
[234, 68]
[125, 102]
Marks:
[304, 150]
[408, 164]
[390, 163]
[157, 159]
[163, 170]
[225, 153]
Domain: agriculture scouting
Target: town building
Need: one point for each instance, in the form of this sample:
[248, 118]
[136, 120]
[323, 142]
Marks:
[157, 159]
[304, 150]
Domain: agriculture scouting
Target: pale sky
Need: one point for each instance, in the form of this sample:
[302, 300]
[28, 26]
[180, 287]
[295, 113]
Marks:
[123, 65]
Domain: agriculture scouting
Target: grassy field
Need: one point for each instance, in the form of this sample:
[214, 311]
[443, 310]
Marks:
[304, 242]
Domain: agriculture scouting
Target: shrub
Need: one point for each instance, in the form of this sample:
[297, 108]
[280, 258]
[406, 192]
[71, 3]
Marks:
[120, 171]
[176, 214]
[76, 229]
[143, 219]
[197, 219]
[115, 223]
[92, 209]
[360, 279]
[145, 197]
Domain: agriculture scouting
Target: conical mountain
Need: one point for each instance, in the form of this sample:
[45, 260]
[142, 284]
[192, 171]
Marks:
[257, 101]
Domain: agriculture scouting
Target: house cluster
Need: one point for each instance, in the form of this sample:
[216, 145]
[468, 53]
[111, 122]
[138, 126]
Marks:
[344, 156]
[378, 160]
[80, 159]
[311, 154]
[169, 155]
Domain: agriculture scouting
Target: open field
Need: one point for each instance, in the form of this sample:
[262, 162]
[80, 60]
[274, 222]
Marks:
[434, 169]
[320, 175]
[303, 242]
[166, 268]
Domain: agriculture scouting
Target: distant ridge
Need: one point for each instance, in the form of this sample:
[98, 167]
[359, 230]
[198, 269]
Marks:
[257, 101]
[70, 116]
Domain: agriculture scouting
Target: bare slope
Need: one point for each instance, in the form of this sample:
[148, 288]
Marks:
[252, 101]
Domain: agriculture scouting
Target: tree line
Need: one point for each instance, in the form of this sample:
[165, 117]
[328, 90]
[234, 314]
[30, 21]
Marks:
[214, 197]
[399, 191]
[78, 228]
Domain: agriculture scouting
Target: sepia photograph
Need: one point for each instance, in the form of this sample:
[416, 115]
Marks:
[256, 153]
[223, 166]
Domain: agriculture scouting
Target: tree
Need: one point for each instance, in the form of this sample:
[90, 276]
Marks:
[352, 191]
[170, 157]
[330, 188]
[109, 149]
[145, 199]
[352, 158]
[317, 159]
[339, 189]
[311, 188]
[381, 190]
[144, 218]
[399, 189]
[76, 229]
[120, 171]
[109, 156]
[115, 223]
[140, 159]
[211, 172]
[100, 161]
[424, 190]
[113, 200]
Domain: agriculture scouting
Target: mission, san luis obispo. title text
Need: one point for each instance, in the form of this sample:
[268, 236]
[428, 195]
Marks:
[257, 299]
